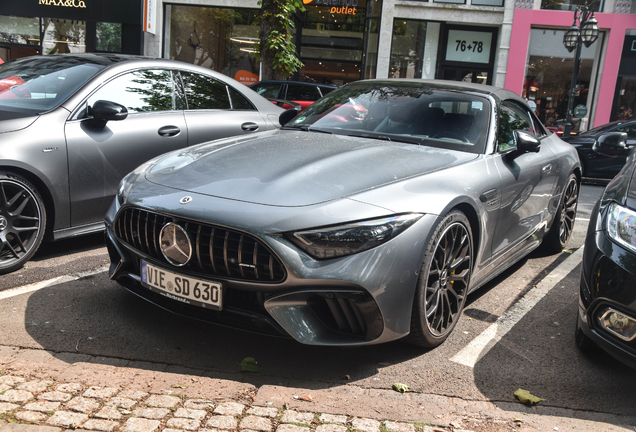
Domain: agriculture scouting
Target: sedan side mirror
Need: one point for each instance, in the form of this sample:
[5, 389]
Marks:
[612, 144]
[526, 142]
[287, 115]
[104, 111]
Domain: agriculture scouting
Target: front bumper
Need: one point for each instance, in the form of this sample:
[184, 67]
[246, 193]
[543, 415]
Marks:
[360, 299]
[608, 283]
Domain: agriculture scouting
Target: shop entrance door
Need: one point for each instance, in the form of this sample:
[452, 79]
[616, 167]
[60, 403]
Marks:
[465, 74]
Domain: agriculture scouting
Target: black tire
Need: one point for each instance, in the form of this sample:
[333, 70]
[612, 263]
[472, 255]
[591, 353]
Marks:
[583, 342]
[22, 222]
[563, 224]
[443, 282]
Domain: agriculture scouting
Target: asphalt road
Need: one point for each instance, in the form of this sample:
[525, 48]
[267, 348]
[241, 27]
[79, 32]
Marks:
[95, 316]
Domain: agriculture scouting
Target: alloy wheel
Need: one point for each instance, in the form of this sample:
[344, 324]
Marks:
[21, 223]
[448, 278]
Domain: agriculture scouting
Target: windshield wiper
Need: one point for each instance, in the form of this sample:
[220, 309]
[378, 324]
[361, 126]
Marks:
[394, 138]
[307, 129]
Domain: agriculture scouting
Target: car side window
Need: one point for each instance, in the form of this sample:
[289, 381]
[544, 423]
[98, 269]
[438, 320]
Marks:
[267, 90]
[629, 129]
[239, 102]
[139, 91]
[326, 90]
[203, 92]
[512, 117]
[302, 92]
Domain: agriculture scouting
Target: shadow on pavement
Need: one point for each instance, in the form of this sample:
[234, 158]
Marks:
[96, 316]
[539, 355]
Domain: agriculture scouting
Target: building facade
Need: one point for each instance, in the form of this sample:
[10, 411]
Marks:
[515, 44]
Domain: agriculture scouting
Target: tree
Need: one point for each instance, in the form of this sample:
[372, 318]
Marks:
[277, 52]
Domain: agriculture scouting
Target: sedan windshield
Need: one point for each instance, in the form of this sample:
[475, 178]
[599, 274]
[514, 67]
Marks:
[409, 112]
[40, 83]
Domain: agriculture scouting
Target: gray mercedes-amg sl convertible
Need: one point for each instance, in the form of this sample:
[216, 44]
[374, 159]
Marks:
[369, 217]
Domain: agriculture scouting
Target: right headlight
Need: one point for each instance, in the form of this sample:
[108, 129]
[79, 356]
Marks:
[621, 226]
[341, 240]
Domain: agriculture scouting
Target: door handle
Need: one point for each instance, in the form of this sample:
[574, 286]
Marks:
[169, 131]
[249, 126]
[547, 169]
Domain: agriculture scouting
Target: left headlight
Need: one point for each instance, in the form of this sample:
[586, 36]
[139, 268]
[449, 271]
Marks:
[621, 226]
[342, 240]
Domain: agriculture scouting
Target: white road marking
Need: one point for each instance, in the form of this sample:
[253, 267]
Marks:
[47, 283]
[582, 219]
[479, 347]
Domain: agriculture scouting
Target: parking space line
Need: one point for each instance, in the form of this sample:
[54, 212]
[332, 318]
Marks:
[50, 282]
[479, 347]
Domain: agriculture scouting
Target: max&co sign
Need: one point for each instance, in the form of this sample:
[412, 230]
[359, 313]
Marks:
[64, 3]
[346, 7]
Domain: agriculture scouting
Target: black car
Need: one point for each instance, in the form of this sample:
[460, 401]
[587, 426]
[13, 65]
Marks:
[304, 93]
[596, 165]
[607, 300]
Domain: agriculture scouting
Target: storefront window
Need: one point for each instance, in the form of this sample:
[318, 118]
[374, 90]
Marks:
[570, 4]
[407, 48]
[332, 40]
[63, 36]
[549, 75]
[108, 37]
[217, 38]
[19, 30]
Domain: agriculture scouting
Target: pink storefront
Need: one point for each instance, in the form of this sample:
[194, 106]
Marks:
[540, 68]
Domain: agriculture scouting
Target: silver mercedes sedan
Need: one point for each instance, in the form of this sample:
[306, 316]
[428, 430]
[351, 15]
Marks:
[369, 217]
[71, 127]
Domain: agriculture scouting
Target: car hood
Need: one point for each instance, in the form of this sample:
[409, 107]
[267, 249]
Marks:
[12, 121]
[288, 168]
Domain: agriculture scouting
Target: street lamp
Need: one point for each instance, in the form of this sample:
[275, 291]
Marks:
[585, 32]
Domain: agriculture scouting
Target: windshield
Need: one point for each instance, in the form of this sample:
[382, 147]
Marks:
[38, 84]
[417, 113]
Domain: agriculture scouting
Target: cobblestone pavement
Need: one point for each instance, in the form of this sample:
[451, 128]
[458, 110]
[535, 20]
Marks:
[41, 391]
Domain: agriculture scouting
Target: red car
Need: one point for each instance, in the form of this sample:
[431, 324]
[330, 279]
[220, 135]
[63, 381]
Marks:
[304, 93]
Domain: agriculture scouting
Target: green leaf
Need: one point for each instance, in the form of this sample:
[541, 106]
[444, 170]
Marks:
[399, 387]
[249, 365]
[527, 398]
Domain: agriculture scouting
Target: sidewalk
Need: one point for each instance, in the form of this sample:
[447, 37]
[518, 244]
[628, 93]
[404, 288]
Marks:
[42, 391]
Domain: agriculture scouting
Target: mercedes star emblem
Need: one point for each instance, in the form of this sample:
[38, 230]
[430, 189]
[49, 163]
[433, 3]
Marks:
[175, 244]
[186, 199]
[3, 223]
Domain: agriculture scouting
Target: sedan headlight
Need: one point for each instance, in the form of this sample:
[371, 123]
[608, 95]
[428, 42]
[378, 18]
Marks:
[342, 240]
[621, 226]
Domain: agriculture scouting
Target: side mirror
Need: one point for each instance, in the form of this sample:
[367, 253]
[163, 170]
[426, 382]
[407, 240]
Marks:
[612, 144]
[287, 115]
[104, 111]
[526, 142]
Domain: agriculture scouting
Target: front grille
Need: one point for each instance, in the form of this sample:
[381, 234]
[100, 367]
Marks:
[217, 251]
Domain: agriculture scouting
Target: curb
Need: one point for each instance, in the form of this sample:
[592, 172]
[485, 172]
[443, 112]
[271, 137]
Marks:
[92, 383]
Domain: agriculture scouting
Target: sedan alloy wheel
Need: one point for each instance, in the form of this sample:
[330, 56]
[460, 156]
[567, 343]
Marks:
[22, 222]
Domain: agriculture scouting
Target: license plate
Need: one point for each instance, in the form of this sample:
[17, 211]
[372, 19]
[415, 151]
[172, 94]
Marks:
[182, 288]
